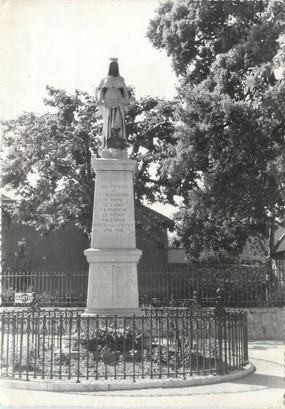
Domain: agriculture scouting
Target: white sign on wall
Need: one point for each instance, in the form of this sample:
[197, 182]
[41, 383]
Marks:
[24, 298]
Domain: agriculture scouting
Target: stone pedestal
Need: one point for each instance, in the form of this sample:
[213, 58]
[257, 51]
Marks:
[113, 256]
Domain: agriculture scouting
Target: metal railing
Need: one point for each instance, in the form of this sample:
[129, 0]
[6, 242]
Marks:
[162, 343]
[243, 286]
[50, 288]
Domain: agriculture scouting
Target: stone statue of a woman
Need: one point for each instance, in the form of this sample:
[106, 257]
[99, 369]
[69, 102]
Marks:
[113, 98]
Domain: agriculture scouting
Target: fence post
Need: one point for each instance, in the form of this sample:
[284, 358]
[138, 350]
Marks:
[245, 338]
[219, 318]
[195, 299]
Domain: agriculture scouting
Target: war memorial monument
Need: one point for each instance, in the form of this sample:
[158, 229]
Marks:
[113, 256]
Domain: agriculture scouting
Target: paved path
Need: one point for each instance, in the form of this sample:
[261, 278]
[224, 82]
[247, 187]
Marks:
[263, 389]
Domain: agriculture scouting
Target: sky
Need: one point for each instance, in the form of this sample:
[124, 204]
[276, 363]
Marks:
[68, 43]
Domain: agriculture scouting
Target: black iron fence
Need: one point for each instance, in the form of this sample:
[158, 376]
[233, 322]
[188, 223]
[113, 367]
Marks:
[50, 288]
[242, 286]
[159, 344]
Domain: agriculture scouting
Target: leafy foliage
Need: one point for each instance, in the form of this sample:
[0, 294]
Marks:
[111, 339]
[19, 260]
[49, 161]
[48, 157]
[194, 33]
[150, 124]
[227, 164]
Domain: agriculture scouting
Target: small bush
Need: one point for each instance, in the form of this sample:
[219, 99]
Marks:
[102, 342]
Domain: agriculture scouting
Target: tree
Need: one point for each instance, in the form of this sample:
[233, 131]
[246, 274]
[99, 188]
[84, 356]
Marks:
[150, 124]
[19, 260]
[48, 157]
[227, 164]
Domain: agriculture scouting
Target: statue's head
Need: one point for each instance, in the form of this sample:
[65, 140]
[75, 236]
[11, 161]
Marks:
[114, 67]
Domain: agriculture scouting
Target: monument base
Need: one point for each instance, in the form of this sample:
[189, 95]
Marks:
[113, 283]
[111, 312]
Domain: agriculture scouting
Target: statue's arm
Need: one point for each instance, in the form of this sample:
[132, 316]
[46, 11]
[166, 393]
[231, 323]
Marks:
[101, 92]
[124, 91]
[100, 96]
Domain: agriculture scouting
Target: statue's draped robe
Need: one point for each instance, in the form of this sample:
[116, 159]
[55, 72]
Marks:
[113, 97]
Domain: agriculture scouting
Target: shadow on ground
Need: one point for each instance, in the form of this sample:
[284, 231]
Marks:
[268, 381]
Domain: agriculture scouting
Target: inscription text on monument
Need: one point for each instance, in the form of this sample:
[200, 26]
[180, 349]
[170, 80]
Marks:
[113, 219]
[113, 210]
[118, 286]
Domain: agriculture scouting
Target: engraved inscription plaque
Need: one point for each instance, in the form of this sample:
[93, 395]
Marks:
[126, 286]
[118, 286]
[113, 219]
[114, 208]
[101, 295]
